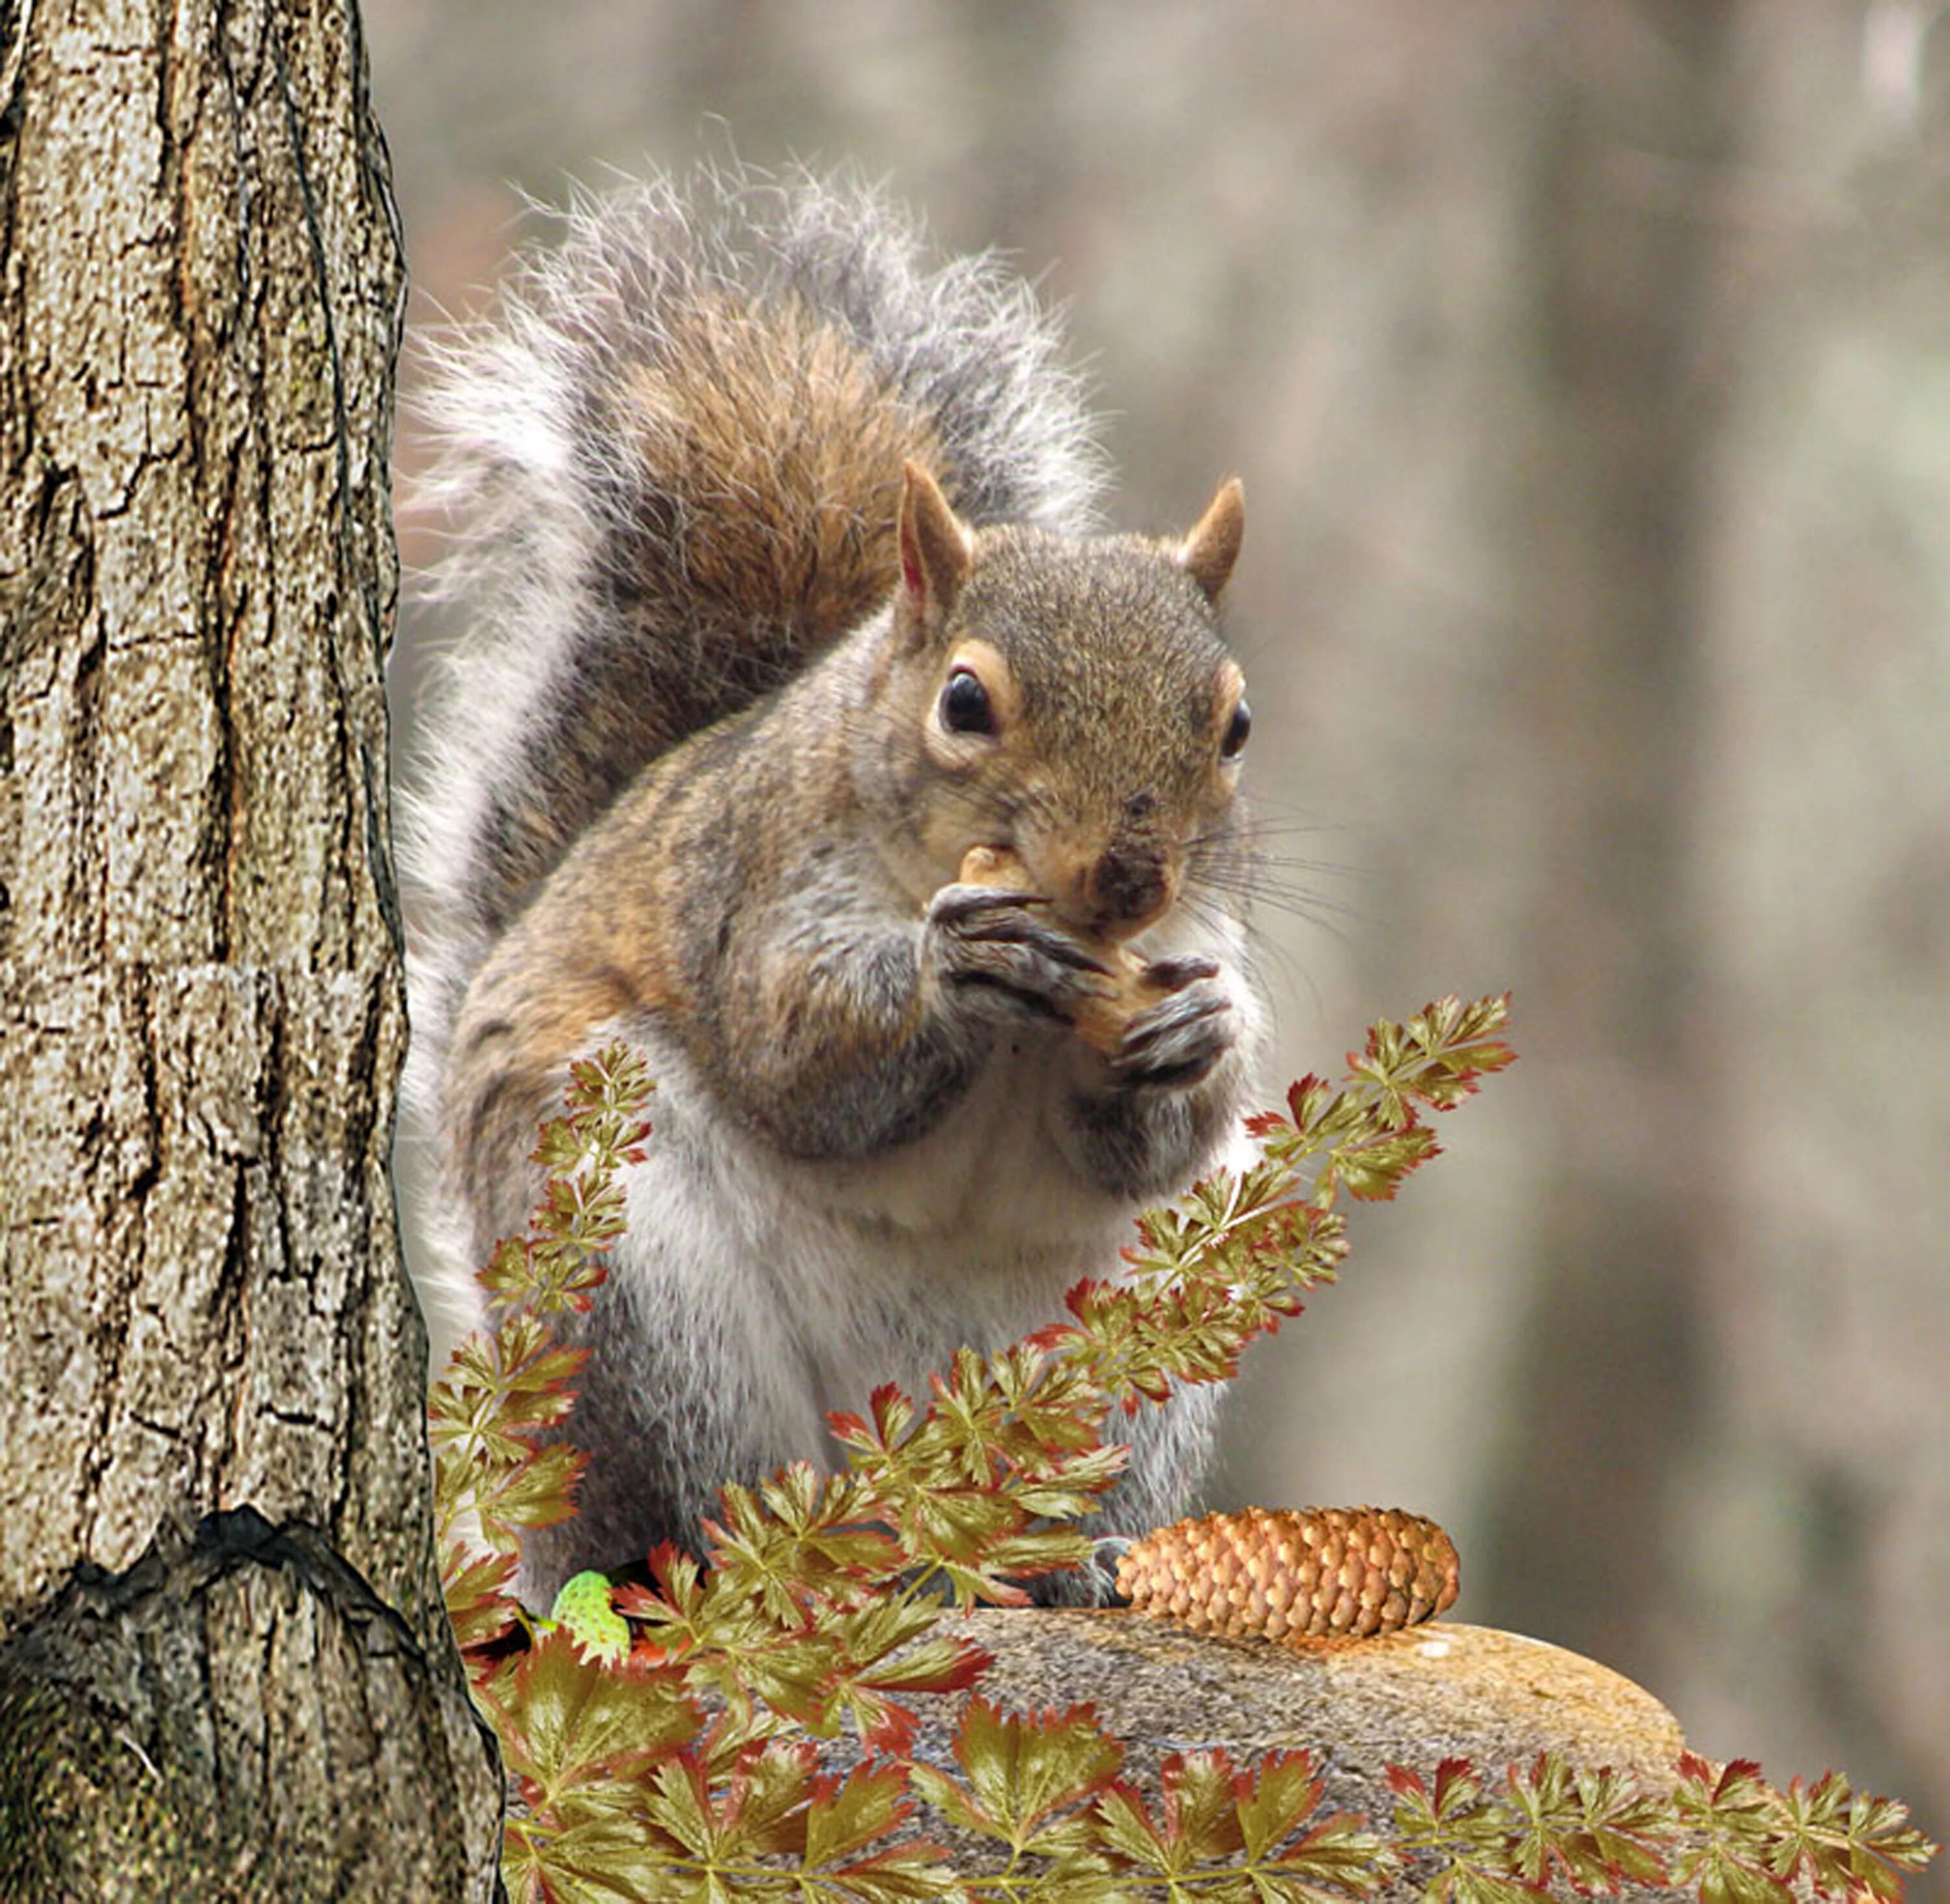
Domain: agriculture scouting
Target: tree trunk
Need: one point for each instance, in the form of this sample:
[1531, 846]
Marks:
[224, 1666]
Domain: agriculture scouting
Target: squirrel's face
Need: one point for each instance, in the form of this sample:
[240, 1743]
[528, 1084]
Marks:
[1075, 706]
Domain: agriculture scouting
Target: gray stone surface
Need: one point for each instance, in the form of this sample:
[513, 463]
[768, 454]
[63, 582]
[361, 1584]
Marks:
[1413, 1698]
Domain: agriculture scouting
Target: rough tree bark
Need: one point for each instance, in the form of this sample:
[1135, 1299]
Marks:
[224, 1668]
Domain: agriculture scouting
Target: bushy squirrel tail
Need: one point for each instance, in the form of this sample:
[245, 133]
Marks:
[668, 466]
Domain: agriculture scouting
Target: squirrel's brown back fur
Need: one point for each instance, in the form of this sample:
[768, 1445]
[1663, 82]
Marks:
[669, 464]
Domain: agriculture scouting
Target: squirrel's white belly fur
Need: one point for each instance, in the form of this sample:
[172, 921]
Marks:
[817, 1282]
[850, 1274]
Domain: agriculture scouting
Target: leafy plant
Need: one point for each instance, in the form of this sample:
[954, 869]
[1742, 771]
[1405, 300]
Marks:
[664, 1741]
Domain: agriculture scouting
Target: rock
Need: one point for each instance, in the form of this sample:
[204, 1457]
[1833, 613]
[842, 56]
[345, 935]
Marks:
[1412, 1698]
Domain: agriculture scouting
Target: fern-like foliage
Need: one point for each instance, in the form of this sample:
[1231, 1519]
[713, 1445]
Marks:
[664, 1741]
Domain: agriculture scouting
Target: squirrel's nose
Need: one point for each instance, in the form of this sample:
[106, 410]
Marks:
[1127, 888]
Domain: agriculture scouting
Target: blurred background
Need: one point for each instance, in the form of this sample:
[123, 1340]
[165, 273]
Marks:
[1588, 366]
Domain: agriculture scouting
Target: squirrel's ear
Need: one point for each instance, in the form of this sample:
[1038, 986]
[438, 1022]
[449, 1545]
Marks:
[935, 551]
[1209, 550]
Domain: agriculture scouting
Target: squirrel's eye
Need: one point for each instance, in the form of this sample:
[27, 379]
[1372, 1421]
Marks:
[964, 704]
[1237, 731]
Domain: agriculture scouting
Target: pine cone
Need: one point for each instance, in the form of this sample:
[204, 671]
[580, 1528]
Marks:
[1308, 1573]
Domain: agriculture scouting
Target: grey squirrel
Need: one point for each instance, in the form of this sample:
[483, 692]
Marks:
[807, 735]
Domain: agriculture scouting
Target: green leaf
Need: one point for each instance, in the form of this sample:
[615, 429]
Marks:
[584, 1610]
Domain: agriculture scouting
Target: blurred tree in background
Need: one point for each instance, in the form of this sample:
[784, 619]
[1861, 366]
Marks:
[1587, 363]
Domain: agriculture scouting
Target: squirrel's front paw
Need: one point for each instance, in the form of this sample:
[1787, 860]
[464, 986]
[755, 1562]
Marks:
[1175, 1043]
[992, 946]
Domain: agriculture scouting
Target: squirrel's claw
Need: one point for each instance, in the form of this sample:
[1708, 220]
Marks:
[963, 901]
[1179, 1040]
[988, 943]
[960, 908]
[1174, 974]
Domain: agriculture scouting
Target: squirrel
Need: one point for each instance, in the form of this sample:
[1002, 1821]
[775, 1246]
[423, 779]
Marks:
[809, 735]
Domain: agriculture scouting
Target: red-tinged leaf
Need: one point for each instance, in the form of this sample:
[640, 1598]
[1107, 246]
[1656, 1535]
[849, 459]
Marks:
[1072, 1489]
[1840, 1839]
[1724, 1878]
[735, 1733]
[1735, 1803]
[1453, 1824]
[1435, 1059]
[844, 1819]
[1731, 1814]
[960, 1525]
[1280, 1790]
[1456, 1785]
[1036, 1551]
[1010, 1439]
[900, 1872]
[973, 1586]
[765, 1800]
[506, 1276]
[940, 1665]
[1881, 1824]
[894, 1412]
[539, 1492]
[500, 1392]
[793, 1677]
[1126, 1827]
[569, 1720]
[1305, 1101]
[824, 1515]
[1401, 1780]
[1023, 1768]
[885, 1725]
[682, 1610]
[1063, 1837]
[517, 1358]
[866, 1634]
[678, 1803]
[953, 1800]
[788, 1542]
[1465, 1883]
[478, 1588]
[1739, 1781]
[1202, 1813]
[1548, 1813]
[1090, 1301]
[597, 1860]
[846, 1428]
[1372, 1170]
[1593, 1827]
[1340, 1852]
